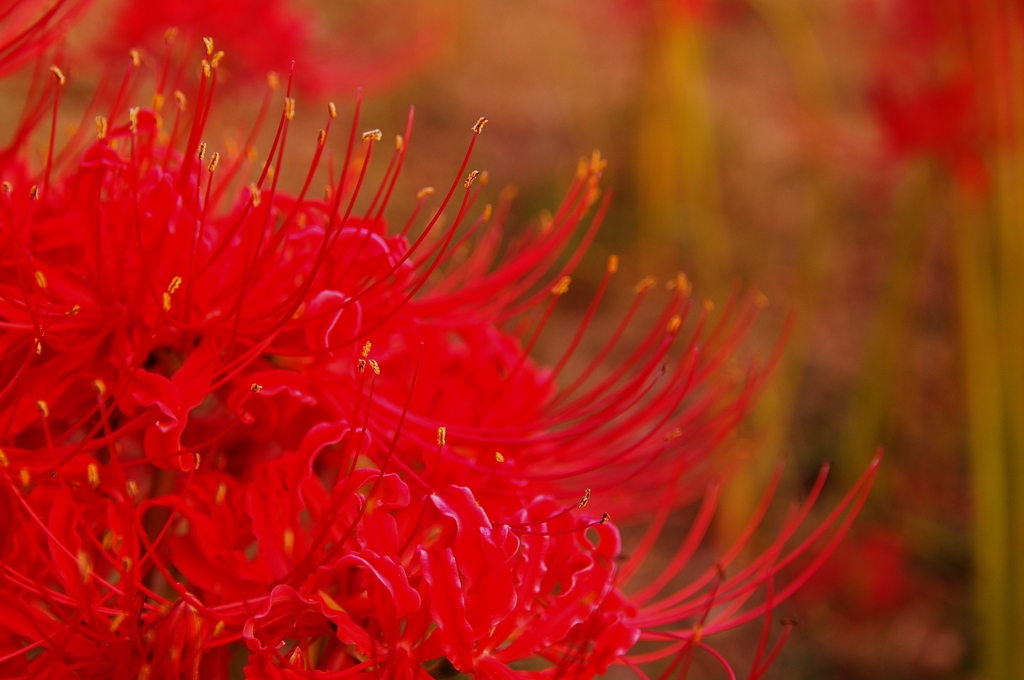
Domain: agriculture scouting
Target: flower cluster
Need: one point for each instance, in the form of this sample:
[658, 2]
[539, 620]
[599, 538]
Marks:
[245, 428]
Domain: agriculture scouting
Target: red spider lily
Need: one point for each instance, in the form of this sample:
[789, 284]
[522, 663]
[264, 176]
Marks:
[204, 456]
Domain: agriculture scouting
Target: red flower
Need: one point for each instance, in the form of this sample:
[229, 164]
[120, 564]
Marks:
[204, 455]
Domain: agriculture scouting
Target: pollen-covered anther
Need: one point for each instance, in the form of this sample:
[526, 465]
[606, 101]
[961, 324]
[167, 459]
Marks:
[93, 474]
[218, 630]
[674, 434]
[273, 80]
[6, 188]
[179, 97]
[674, 324]
[33, 193]
[254, 191]
[375, 367]
[25, 477]
[332, 110]
[441, 432]
[133, 118]
[472, 176]
[215, 60]
[101, 387]
[214, 160]
[645, 283]
[208, 44]
[116, 622]
[207, 69]
[131, 488]
[288, 541]
[321, 137]
[366, 348]
[289, 108]
[498, 458]
[361, 365]
[680, 283]
[136, 58]
[583, 501]
[39, 346]
[165, 301]
[562, 287]
[40, 279]
[102, 125]
[399, 142]
[201, 151]
[58, 74]
[421, 194]
[158, 101]
[255, 388]
[84, 566]
[613, 264]
[43, 408]
[605, 518]
[373, 135]
[479, 126]
[222, 493]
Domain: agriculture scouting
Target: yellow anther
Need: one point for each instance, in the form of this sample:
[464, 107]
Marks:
[420, 195]
[40, 279]
[288, 537]
[613, 264]
[596, 162]
[126, 564]
[273, 81]
[399, 142]
[6, 187]
[646, 283]
[101, 387]
[201, 150]
[289, 108]
[93, 474]
[321, 137]
[441, 432]
[207, 69]
[3, 459]
[484, 178]
[256, 387]
[605, 518]
[375, 366]
[166, 301]
[196, 467]
[170, 34]
[498, 458]
[674, 434]
[179, 97]
[135, 56]
[218, 630]
[173, 286]
[102, 124]
[43, 408]
[39, 346]
[132, 488]
[674, 324]
[222, 493]
[583, 501]
[58, 74]
[680, 283]
[214, 160]
[373, 135]
[25, 476]
[366, 349]
[472, 176]
[208, 43]
[332, 110]
[254, 191]
[33, 193]
[158, 101]
[581, 168]
[488, 211]
[84, 567]
[133, 118]
[361, 365]
[562, 287]
[479, 126]
[216, 58]
[116, 622]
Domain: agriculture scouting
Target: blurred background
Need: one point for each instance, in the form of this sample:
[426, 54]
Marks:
[856, 161]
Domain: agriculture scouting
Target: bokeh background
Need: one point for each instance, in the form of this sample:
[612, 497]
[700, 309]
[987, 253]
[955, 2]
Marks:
[855, 161]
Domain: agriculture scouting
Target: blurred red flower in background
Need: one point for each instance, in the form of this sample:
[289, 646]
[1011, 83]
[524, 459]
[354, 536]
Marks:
[204, 455]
